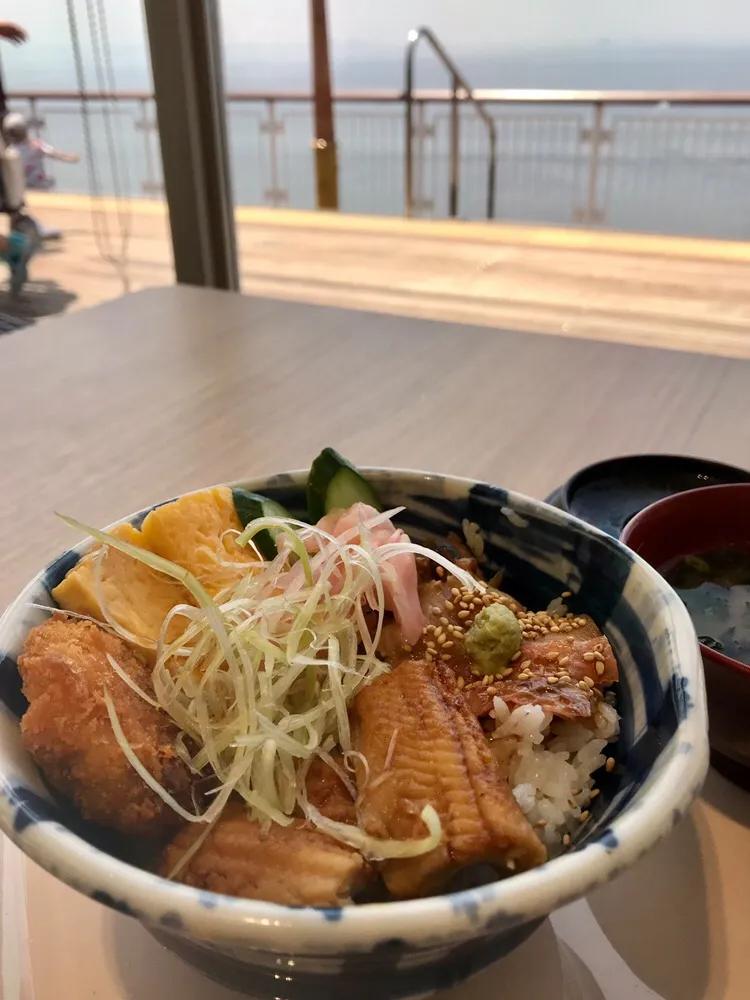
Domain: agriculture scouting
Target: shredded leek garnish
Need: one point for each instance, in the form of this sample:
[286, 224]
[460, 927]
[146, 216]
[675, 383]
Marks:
[260, 678]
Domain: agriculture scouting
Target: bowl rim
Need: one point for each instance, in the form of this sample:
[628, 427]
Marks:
[470, 913]
[721, 659]
[571, 485]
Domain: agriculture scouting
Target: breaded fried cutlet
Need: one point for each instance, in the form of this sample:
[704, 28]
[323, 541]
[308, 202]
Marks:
[68, 732]
[295, 865]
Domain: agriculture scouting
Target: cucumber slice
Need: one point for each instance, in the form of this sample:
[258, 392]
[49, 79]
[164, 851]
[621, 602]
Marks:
[250, 506]
[335, 483]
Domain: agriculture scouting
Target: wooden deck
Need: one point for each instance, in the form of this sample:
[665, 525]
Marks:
[685, 294]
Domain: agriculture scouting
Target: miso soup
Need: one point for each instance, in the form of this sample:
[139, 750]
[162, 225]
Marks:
[715, 587]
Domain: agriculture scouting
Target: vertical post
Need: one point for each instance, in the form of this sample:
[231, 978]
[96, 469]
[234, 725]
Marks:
[491, 174]
[326, 166]
[596, 137]
[185, 51]
[409, 134]
[273, 153]
[150, 185]
[454, 147]
[34, 117]
[419, 159]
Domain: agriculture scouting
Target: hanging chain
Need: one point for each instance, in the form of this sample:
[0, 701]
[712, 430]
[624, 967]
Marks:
[99, 219]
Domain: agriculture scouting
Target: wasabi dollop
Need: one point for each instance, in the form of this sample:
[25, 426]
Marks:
[493, 639]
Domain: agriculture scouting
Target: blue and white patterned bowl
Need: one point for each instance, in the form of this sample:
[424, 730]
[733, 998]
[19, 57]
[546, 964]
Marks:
[411, 948]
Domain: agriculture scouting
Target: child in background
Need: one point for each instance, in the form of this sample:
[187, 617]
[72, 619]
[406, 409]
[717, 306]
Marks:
[33, 152]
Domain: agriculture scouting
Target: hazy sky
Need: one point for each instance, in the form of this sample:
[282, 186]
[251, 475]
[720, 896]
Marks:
[281, 25]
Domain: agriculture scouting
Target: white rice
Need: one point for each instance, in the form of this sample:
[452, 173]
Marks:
[550, 763]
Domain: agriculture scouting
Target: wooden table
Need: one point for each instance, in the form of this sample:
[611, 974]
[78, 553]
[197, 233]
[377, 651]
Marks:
[148, 396]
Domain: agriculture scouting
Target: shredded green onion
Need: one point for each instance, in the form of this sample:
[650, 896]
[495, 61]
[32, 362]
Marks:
[261, 677]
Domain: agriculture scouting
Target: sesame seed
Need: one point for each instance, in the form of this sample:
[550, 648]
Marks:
[589, 657]
[566, 628]
[434, 611]
[515, 656]
[464, 605]
[438, 631]
[507, 672]
[408, 647]
[460, 683]
[486, 680]
[443, 621]
[583, 685]
[598, 657]
[594, 793]
[526, 664]
[590, 681]
[440, 571]
[448, 606]
[552, 656]
[566, 839]
[600, 669]
[440, 639]
[431, 646]
[564, 678]
[455, 591]
[609, 764]
[566, 593]
[564, 660]
[554, 628]
[543, 631]
[446, 645]
[463, 614]
[491, 690]
[552, 680]
[584, 815]
[445, 657]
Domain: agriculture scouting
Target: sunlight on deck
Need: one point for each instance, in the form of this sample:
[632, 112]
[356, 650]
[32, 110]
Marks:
[680, 293]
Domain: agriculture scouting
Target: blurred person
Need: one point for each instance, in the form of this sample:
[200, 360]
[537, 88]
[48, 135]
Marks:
[33, 152]
[17, 248]
[13, 33]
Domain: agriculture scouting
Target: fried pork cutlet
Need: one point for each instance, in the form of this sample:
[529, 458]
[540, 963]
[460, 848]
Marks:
[424, 747]
[295, 865]
[68, 732]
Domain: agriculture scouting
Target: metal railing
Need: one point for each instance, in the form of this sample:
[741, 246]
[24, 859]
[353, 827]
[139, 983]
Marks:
[460, 91]
[653, 161]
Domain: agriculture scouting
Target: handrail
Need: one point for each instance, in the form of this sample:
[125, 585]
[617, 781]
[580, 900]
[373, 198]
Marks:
[684, 98]
[459, 84]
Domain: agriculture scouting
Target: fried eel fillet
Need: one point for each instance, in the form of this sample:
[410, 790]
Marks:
[68, 732]
[424, 747]
[294, 865]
